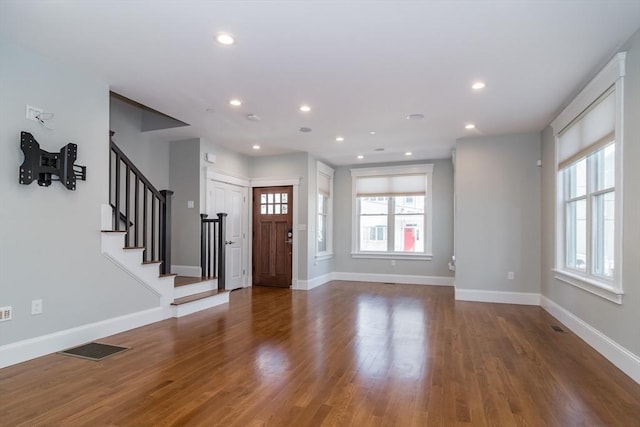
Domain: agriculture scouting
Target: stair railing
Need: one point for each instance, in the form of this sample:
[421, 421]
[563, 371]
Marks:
[212, 247]
[140, 209]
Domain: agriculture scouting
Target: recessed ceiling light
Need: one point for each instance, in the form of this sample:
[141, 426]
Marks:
[372, 132]
[378, 149]
[256, 147]
[225, 39]
[469, 126]
[408, 153]
[340, 139]
[360, 157]
[415, 116]
[305, 108]
[304, 129]
[235, 102]
[478, 85]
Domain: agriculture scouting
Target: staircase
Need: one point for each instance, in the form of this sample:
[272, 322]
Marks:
[179, 296]
[136, 236]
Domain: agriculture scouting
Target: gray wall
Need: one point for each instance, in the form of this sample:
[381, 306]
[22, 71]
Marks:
[50, 237]
[290, 166]
[618, 322]
[442, 227]
[498, 213]
[149, 155]
[184, 181]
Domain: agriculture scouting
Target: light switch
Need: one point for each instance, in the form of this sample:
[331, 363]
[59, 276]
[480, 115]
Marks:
[190, 204]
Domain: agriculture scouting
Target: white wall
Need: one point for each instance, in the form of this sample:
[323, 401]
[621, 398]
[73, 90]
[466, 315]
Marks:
[620, 323]
[50, 237]
[442, 227]
[149, 154]
[498, 213]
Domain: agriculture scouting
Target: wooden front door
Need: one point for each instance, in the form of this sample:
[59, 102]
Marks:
[272, 236]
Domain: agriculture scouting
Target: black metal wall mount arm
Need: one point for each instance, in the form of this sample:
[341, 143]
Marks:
[41, 165]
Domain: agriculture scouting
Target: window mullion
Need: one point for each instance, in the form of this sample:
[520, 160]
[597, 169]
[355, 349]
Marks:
[591, 160]
[391, 206]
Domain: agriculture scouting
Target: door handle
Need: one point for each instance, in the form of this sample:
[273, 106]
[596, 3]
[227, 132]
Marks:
[290, 241]
[229, 242]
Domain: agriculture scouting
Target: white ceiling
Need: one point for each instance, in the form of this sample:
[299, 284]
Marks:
[361, 65]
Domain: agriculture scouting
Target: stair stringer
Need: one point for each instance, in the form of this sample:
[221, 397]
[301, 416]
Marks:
[130, 261]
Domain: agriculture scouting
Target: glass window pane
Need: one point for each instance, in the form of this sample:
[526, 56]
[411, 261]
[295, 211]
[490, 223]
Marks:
[284, 209]
[409, 204]
[409, 233]
[603, 234]
[576, 235]
[263, 209]
[576, 179]
[270, 209]
[374, 205]
[373, 233]
[270, 198]
[277, 197]
[284, 197]
[277, 209]
[604, 168]
[321, 203]
[322, 233]
[263, 198]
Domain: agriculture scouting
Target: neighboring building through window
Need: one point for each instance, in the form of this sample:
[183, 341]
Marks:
[589, 157]
[392, 208]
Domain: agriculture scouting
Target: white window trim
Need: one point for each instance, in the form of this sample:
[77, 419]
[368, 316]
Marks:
[326, 170]
[426, 169]
[611, 75]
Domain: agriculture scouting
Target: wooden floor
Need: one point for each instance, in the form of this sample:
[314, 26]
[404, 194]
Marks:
[346, 353]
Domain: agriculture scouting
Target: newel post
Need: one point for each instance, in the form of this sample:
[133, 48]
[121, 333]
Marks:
[222, 241]
[165, 226]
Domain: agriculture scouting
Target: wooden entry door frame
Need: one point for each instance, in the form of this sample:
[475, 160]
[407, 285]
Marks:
[280, 182]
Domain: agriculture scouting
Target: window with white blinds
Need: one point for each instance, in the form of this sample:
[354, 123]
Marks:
[392, 212]
[588, 204]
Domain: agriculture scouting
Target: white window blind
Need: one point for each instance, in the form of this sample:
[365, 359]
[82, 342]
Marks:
[391, 185]
[590, 131]
[324, 184]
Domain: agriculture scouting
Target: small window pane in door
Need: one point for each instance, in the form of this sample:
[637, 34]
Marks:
[277, 198]
[284, 198]
[277, 209]
[263, 209]
[284, 209]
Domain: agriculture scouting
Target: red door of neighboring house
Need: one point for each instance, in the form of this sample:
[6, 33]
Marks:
[409, 239]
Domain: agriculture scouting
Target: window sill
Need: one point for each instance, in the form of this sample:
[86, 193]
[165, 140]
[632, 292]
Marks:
[388, 255]
[601, 289]
[323, 256]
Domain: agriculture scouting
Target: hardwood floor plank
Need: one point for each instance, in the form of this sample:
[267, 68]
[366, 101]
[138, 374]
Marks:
[344, 354]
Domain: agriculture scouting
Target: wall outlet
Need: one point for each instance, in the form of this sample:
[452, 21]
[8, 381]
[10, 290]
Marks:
[510, 275]
[33, 113]
[6, 313]
[36, 306]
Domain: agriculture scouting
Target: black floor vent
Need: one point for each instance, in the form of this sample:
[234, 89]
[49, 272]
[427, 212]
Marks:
[94, 351]
[557, 328]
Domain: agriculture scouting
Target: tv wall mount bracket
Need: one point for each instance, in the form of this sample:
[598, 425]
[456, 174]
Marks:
[41, 165]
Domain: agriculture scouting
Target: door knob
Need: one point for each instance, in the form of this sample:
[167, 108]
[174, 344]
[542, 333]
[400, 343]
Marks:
[229, 242]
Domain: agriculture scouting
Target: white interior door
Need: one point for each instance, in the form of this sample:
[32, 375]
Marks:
[232, 200]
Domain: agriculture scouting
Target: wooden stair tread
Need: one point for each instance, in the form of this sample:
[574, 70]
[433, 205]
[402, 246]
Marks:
[196, 297]
[133, 247]
[186, 280]
[112, 231]
[167, 275]
[151, 262]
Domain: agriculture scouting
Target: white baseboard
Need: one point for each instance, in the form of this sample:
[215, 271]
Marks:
[186, 270]
[22, 351]
[306, 285]
[622, 358]
[521, 298]
[394, 278]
